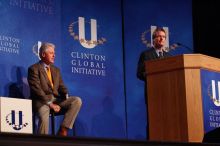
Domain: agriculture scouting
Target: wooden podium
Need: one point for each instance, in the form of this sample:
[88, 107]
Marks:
[175, 109]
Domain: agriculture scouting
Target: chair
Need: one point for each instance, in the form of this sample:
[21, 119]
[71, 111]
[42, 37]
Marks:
[53, 121]
[53, 115]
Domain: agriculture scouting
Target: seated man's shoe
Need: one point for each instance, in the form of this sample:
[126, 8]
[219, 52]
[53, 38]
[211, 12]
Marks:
[63, 131]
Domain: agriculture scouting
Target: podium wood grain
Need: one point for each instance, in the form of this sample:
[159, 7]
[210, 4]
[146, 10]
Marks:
[175, 98]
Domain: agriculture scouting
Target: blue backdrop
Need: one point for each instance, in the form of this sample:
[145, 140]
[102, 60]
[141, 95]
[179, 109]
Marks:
[102, 89]
[95, 66]
[22, 26]
[139, 16]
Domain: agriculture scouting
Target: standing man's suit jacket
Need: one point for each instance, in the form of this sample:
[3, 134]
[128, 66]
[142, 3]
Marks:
[145, 56]
[40, 88]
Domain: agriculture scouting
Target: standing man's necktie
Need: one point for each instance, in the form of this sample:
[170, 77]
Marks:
[49, 75]
[160, 54]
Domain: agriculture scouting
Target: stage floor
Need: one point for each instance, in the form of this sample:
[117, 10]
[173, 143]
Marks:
[11, 139]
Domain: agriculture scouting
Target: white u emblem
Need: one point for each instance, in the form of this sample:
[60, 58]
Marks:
[89, 44]
[16, 120]
[214, 98]
[85, 43]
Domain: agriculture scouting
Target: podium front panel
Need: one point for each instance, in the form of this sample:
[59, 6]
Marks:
[211, 99]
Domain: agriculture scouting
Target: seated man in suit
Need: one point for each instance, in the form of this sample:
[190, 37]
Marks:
[48, 92]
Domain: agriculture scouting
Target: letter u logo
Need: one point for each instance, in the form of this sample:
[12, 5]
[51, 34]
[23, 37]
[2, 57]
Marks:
[214, 98]
[85, 43]
[13, 120]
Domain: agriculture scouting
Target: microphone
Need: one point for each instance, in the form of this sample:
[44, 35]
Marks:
[182, 45]
[176, 45]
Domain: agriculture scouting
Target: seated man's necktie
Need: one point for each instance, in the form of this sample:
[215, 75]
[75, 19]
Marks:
[49, 75]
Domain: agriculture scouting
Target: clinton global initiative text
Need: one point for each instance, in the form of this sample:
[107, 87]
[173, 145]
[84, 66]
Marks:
[88, 64]
[87, 71]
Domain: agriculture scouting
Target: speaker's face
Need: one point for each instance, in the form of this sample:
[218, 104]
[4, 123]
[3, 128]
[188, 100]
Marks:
[160, 39]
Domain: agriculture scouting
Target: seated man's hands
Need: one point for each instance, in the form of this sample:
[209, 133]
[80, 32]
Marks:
[55, 107]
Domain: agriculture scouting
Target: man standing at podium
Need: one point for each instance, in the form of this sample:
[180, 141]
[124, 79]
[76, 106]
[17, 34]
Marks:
[156, 52]
[48, 92]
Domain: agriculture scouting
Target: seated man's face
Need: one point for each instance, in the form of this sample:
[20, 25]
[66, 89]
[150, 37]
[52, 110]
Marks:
[49, 55]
